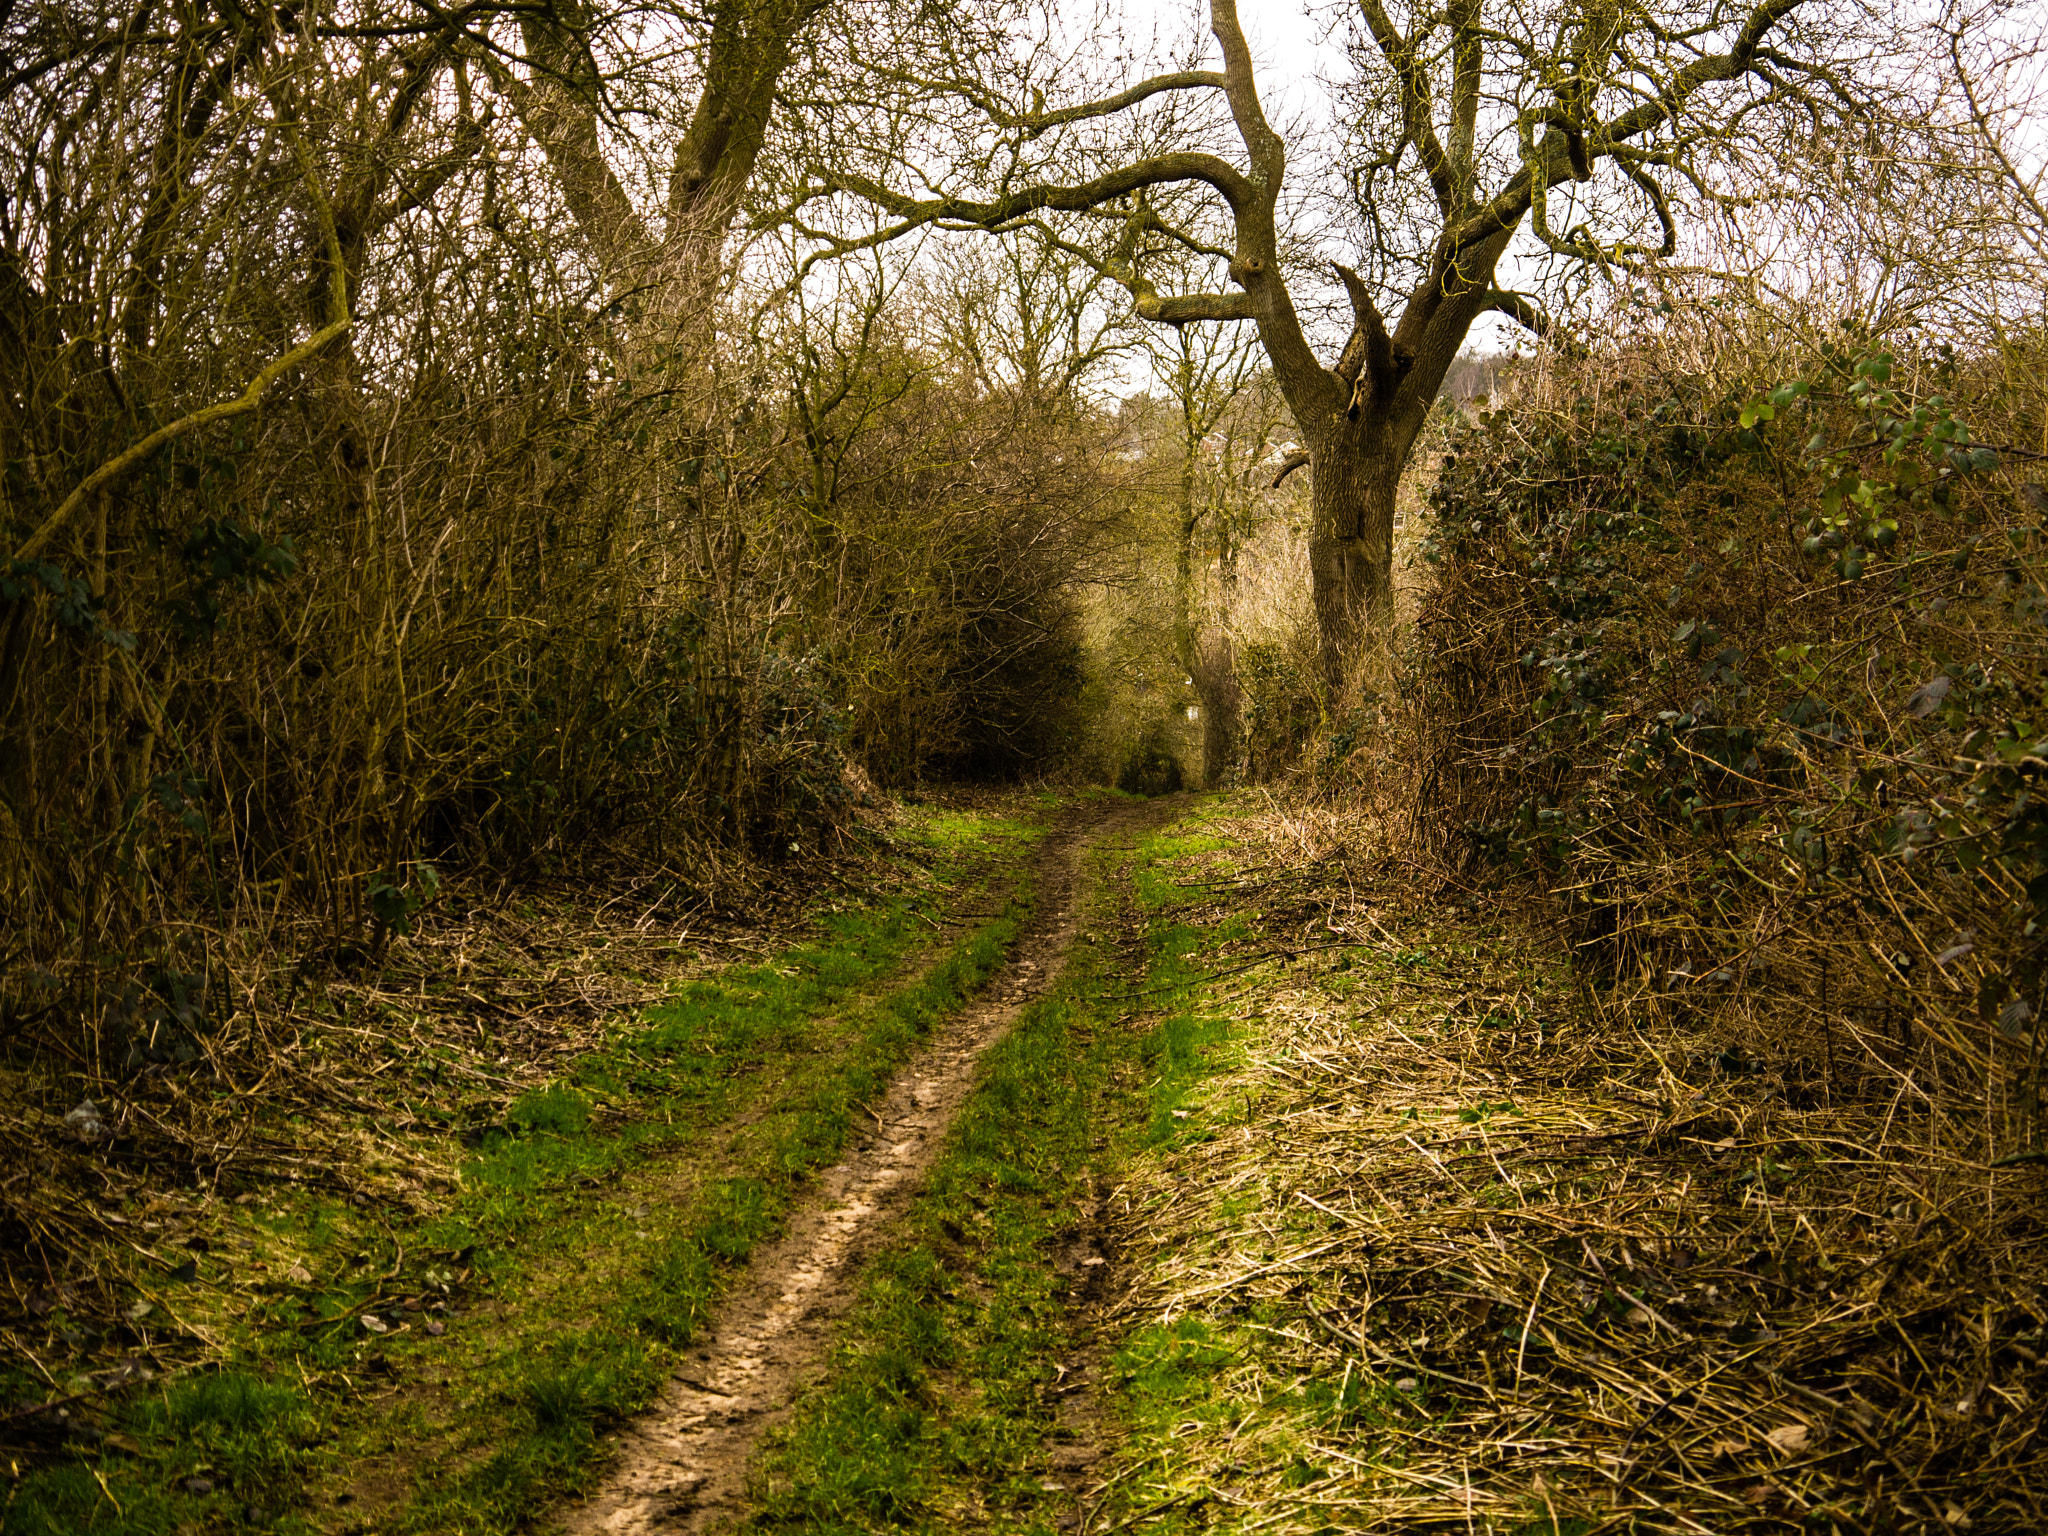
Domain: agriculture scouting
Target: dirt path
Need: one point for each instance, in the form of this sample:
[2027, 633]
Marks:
[682, 1468]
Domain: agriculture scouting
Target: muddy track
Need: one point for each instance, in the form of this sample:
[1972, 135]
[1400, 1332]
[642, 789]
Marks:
[682, 1468]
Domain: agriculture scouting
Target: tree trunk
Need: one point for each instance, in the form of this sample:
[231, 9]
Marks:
[1187, 653]
[1352, 486]
[1222, 699]
[1216, 683]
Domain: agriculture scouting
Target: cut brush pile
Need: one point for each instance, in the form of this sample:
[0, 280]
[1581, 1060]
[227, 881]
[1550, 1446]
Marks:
[1487, 1256]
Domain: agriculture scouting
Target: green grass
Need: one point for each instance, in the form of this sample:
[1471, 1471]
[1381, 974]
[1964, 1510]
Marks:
[598, 1222]
[937, 1410]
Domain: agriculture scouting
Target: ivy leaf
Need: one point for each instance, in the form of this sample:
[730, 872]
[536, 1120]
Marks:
[1928, 697]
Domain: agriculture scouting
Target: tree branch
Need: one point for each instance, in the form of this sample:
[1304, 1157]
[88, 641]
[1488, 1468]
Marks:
[1289, 465]
[566, 131]
[748, 51]
[1035, 123]
[1374, 355]
[1158, 171]
[1310, 389]
[416, 190]
[1120, 267]
[1701, 72]
[1552, 162]
[1415, 117]
[1468, 58]
[1522, 310]
[1268, 153]
[1650, 189]
[129, 457]
[1994, 141]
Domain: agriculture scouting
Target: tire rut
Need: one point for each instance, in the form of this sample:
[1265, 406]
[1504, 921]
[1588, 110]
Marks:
[681, 1469]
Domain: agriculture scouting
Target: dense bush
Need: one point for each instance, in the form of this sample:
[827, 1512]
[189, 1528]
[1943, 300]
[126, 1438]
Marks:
[946, 525]
[1150, 768]
[1281, 705]
[1746, 668]
[518, 565]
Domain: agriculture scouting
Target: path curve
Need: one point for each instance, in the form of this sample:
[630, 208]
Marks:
[681, 1468]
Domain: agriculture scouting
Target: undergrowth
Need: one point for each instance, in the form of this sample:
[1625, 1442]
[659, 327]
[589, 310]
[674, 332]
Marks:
[452, 1369]
[1742, 664]
[1467, 1257]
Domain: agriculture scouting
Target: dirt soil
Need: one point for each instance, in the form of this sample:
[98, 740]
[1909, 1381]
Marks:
[682, 1468]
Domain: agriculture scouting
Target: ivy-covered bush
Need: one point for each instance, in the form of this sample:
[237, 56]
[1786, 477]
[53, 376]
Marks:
[1748, 672]
[1281, 708]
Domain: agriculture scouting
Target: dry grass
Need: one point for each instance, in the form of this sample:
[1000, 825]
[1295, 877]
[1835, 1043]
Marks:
[1493, 1254]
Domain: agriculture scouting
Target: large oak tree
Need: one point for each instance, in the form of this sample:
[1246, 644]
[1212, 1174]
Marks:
[1470, 116]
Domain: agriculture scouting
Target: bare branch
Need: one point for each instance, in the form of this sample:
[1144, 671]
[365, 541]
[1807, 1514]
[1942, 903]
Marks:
[993, 213]
[1120, 267]
[1415, 117]
[566, 131]
[1713, 69]
[1521, 309]
[133, 455]
[1992, 139]
[1268, 153]
[1040, 121]
[1468, 57]
[1547, 163]
[1290, 464]
[1373, 356]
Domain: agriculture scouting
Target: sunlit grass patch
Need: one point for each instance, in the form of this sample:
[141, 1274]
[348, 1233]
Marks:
[1169, 1369]
[226, 1449]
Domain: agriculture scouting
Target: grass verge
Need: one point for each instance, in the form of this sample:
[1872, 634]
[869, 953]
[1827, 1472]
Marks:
[1482, 1261]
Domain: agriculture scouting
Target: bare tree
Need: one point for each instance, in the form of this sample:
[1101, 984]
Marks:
[1472, 116]
[565, 85]
[1032, 319]
[1212, 375]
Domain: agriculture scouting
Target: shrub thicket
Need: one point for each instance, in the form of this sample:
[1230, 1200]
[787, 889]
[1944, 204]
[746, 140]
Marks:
[524, 562]
[1744, 664]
